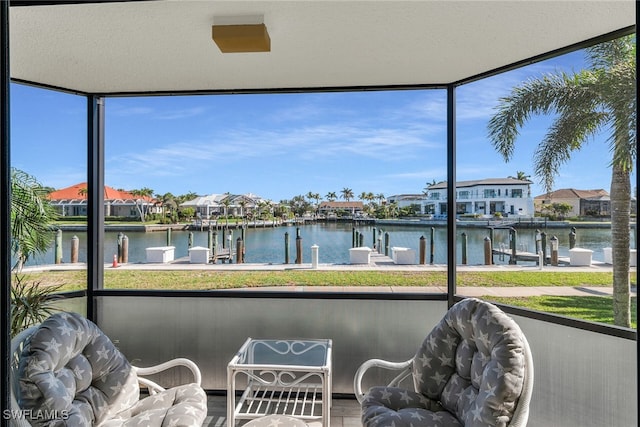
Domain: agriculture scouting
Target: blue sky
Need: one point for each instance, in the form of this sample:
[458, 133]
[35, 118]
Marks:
[282, 145]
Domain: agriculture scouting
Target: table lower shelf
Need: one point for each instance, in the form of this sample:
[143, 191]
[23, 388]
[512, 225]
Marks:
[302, 401]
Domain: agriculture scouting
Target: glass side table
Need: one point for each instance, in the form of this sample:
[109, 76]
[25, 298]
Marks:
[288, 377]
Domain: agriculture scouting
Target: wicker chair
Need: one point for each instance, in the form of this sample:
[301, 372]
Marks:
[473, 369]
[66, 371]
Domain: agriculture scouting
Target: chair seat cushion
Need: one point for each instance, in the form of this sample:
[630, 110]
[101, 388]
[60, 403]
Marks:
[180, 406]
[393, 406]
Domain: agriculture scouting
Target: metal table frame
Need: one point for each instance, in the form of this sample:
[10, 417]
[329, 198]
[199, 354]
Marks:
[287, 376]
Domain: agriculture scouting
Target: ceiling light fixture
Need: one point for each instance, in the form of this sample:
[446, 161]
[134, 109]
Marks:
[241, 34]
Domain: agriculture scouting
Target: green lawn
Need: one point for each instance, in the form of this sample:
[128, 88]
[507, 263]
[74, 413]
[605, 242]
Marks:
[216, 279]
[591, 308]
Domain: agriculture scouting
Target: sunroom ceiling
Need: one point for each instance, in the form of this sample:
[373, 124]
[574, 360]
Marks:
[166, 46]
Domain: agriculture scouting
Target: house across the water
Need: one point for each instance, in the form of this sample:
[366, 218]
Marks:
[484, 197]
[72, 201]
[593, 203]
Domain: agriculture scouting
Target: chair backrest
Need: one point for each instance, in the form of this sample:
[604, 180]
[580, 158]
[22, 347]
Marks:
[477, 363]
[68, 369]
[16, 417]
[521, 414]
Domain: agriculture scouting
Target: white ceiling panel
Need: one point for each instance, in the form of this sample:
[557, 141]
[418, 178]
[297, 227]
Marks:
[166, 46]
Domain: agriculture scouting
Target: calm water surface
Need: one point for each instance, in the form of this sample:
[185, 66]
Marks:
[267, 245]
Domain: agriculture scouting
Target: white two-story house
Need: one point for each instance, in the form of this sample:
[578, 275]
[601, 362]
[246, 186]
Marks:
[486, 197]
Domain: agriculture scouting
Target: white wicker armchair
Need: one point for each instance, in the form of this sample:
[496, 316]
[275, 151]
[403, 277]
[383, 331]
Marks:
[475, 368]
[66, 370]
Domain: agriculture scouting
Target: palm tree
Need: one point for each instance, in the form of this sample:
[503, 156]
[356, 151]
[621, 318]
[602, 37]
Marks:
[31, 217]
[226, 202]
[347, 194]
[142, 200]
[243, 209]
[393, 209]
[168, 201]
[314, 196]
[520, 175]
[309, 195]
[331, 196]
[185, 197]
[601, 97]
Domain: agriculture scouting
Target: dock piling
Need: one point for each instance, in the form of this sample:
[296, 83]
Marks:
[125, 249]
[239, 251]
[314, 256]
[488, 251]
[58, 247]
[553, 241]
[432, 246]
[386, 244]
[286, 247]
[572, 238]
[119, 240]
[513, 236]
[75, 244]
[298, 249]
[464, 248]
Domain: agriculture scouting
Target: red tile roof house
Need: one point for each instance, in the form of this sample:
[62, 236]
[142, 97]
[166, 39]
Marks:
[72, 201]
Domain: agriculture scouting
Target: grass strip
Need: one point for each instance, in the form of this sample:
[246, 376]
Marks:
[589, 308]
[217, 279]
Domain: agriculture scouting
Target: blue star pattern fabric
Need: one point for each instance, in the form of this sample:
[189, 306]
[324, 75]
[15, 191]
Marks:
[71, 374]
[469, 371]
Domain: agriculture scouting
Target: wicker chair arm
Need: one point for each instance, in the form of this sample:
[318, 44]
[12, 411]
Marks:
[150, 370]
[404, 368]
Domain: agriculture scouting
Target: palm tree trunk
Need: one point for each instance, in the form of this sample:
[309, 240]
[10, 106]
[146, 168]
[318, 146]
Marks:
[620, 214]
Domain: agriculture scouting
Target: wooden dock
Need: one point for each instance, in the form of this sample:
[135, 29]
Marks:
[224, 255]
[527, 256]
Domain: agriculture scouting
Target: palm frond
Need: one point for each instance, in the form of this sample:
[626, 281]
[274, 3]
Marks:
[31, 302]
[568, 133]
[607, 54]
[31, 216]
[543, 96]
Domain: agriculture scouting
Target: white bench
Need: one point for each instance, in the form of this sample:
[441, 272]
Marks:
[160, 254]
[199, 255]
[403, 255]
[360, 255]
[580, 256]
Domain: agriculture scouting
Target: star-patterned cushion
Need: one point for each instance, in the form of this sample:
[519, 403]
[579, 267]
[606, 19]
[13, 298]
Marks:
[392, 406]
[71, 374]
[276, 420]
[469, 371]
[181, 406]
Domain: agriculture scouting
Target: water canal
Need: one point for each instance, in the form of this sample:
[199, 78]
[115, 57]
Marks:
[267, 245]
